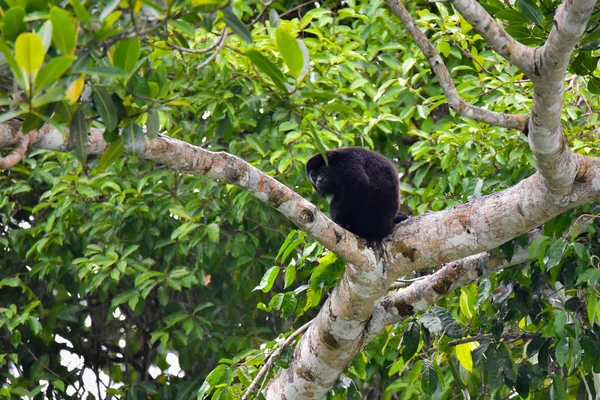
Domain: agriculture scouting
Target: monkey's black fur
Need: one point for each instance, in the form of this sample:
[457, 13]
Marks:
[365, 189]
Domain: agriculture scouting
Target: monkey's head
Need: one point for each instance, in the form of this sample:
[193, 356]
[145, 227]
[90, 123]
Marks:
[320, 175]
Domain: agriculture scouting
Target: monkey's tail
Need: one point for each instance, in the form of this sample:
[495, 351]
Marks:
[400, 217]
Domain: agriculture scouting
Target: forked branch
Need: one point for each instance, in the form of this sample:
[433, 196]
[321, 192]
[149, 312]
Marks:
[516, 121]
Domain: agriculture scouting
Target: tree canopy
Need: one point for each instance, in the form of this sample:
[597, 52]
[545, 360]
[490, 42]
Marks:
[157, 238]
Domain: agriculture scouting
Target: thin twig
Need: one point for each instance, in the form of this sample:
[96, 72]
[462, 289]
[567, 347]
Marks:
[41, 363]
[512, 337]
[272, 357]
[193, 77]
[195, 51]
[291, 10]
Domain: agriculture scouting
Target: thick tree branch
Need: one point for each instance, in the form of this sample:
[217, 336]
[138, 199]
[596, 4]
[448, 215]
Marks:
[499, 40]
[515, 121]
[555, 161]
[486, 222]
[395, 306]
[222, 166]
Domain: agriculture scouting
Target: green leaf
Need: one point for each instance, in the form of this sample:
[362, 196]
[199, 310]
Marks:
[12, 62]
[7, 116]
[538, 247]
[106, 108]
[127, 54]
[290, 51]
[268, 279]
[411, 340]
[45, 33]
[53, 70]
[80, 11]
[31, 122]
[110, 155]
[54, 94]
[562, 351]
[107, 71]
[531, 11]
[29, 52]
[555, 253]
[152, 124]
[236, 25]
[78, 136]
[109, 9]
[290, 276]
[429, 379]
[266, 66]
[591, 309]
[213, 232]
[133, 138]
[64, 31]
[207, 5]
[14, 23]
[594, 84]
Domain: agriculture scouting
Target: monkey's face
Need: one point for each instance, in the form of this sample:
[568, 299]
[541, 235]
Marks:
[319, 178]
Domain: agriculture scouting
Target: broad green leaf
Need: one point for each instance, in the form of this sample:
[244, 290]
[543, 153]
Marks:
[538, 248]
[530, 9]
[127, 53]
[45, 33]
[110, 155]
[594, 83]
[562, 351]
[236, 25]
[14, 23]
[7, 116]
[183, 230]
[289, 50]
[64, 31]
[54, 94]
[266, 66]
[290, 276]
[268, 279]
[81, 12]
[31, 122]
[74, 90]
[78, 135]
[133, 138]
[213, 232]
[152, 124]
[411, 340]
[53, 70]
[102, 71]
[12, 63]
[591, 309]
[305, 60]
[108, 9]
[429, 379]
[29, 52]
[106, 108]
[555, 253]
[207, 5]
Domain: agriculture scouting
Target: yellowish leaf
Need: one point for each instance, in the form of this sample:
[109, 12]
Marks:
[137, 7]
[463, 353]
[75, 89]
[29, 52]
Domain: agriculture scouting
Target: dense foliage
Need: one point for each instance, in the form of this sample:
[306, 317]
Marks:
[116, 264]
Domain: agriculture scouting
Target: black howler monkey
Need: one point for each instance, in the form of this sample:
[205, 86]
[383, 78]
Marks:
[364, 188]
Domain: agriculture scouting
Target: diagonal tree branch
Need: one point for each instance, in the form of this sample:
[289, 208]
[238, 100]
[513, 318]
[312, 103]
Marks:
[515, 121]
[499, 40]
